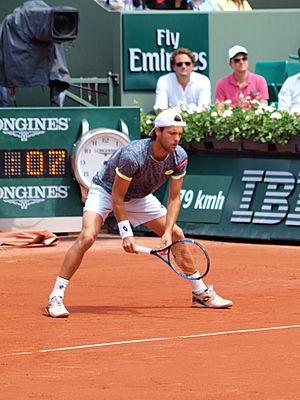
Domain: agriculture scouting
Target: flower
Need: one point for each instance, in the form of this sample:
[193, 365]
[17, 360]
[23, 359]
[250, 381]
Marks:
[276, 115]
[259, 111]
[227, 113]
[260, 123]
[266, 107]
[193, 108]
[255, 102]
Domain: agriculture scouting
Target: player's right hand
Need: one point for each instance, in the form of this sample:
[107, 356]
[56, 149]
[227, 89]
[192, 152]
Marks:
[129, 245]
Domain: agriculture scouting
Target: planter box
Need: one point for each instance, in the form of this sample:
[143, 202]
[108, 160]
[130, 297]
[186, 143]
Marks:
[295, 141]
[211, 144]
[185, 145]
[226, 145]
[222, 146]
[203, 145]
[282, 148]
[293, 146]
[249, 145]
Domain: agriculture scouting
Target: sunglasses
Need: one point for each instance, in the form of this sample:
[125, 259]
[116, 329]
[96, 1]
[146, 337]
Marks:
[237, 60]
[186, 63]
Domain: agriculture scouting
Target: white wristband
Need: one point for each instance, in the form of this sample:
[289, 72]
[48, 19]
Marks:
[125, 229]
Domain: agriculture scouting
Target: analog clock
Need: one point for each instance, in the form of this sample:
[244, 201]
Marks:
[92, 149]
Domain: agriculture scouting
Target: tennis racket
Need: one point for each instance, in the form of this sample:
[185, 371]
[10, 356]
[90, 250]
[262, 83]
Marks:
[185, 257]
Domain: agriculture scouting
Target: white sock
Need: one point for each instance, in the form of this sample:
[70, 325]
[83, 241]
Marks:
[59, 287]
[198, 286]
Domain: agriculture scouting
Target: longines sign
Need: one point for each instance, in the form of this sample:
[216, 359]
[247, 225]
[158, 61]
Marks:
[24, 128]
[36, 175]
[150, 39]
[26, 196]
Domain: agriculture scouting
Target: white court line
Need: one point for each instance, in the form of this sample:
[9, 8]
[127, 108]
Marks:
[160, 339]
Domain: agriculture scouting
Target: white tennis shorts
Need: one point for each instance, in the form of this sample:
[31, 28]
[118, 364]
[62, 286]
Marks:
[138, 211]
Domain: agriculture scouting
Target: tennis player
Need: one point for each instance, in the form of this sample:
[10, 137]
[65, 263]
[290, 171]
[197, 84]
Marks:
[125, 185]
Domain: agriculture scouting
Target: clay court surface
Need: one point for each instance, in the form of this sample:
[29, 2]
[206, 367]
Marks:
[132, 333]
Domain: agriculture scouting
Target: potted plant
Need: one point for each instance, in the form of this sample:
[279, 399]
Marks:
[252, 125]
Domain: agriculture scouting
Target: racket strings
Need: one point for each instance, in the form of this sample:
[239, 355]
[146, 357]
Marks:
[186, 257]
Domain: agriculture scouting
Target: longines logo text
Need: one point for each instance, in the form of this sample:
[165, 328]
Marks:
[25, 196]
[25, 128]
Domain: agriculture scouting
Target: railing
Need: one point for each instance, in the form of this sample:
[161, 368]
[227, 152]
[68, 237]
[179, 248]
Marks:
[88, 90]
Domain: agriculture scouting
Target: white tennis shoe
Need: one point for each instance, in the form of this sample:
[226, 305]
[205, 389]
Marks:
[56, 309]
[210, 299]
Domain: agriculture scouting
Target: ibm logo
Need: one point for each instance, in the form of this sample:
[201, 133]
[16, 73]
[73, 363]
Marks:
[275, 206]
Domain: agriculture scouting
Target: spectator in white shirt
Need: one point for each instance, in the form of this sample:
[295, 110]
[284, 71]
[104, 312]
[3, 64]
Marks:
[183, 87]
[203, 5]
[289, 95]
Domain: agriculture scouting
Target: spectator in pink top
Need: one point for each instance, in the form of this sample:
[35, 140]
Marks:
[241, 84]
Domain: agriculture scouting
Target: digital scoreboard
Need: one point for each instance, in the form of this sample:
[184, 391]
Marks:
[33, 163]
[38, 187]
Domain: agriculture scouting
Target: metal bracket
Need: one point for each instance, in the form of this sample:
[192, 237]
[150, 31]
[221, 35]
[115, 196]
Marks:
[115, 78]
[85, 126]
[123, 127]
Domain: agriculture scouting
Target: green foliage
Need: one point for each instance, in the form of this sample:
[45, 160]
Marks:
[146, 122]
[251, 120]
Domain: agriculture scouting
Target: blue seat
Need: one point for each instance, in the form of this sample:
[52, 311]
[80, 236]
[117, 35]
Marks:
[292, 68]
[275, 74]
[293, 56]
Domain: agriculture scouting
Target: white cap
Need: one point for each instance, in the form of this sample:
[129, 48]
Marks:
[236, 50]
[170, 117]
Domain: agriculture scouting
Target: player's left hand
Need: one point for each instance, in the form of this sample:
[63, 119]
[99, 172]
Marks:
[165, 241]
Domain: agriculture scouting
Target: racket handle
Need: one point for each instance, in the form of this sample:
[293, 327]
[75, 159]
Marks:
[142, 249]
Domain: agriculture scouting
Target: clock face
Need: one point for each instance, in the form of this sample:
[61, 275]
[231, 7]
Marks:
[93, 149]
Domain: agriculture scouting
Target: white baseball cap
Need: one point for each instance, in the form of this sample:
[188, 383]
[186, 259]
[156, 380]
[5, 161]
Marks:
[236, 50]
[169, 117]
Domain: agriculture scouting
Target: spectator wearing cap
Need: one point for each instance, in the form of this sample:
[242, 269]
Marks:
[183, 86]
[241, 83]
[234, 5]
[289, 95]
